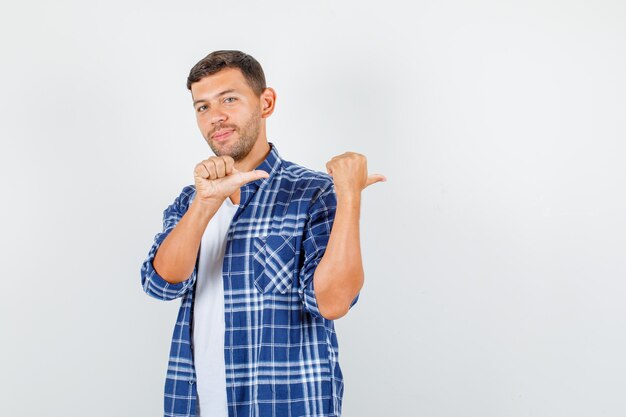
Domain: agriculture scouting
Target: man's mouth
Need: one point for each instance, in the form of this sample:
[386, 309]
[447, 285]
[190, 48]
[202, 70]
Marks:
[222, 134]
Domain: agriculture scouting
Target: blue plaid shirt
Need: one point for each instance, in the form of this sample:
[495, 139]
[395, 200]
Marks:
[281, 355]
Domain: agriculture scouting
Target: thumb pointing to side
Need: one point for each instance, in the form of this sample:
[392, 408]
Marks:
[249, 176]
[374, 178]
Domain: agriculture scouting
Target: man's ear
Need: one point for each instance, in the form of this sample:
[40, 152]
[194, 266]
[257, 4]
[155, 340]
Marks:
[267, 102]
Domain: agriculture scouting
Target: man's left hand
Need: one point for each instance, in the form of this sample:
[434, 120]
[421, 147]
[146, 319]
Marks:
[349, 172]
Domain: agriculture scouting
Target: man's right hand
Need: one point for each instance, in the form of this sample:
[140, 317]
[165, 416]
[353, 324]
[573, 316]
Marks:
[217, 178]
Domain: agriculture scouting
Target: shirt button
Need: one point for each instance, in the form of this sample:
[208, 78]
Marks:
[191, 381]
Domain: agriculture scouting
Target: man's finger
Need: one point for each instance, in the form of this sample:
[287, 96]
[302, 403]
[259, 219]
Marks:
[246, 177]
[220, 167]
[201, 171]
[374, 178]
[210, 168]
[230, 164]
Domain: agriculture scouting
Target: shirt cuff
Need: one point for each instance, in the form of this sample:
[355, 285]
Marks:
[307, 294]
[156, 286]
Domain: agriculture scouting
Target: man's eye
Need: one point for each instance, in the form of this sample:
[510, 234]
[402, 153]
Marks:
[201, 108]
[228, 98]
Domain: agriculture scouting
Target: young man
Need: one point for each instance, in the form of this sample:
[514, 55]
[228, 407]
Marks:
[264, 253]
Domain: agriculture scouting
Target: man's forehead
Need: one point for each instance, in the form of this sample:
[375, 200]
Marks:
[225, 81]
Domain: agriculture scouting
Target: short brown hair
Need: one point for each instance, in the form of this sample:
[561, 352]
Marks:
[218, 60]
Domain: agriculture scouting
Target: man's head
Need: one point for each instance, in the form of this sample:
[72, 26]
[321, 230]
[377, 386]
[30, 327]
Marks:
[229, 93]
[219, 60]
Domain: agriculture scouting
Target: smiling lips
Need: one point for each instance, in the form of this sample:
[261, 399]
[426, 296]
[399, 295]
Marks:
[222, 134]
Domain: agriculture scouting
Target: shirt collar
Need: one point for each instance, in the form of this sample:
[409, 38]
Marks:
[270, 164]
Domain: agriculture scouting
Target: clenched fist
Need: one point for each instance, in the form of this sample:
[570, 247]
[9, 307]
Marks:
[217, 178]
[349, 172]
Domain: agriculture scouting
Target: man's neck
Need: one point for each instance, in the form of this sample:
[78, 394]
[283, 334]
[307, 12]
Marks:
[257, 154]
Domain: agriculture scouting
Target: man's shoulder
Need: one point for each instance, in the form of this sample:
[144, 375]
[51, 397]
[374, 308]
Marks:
[188, 191]
[305, 177]
[185, 197]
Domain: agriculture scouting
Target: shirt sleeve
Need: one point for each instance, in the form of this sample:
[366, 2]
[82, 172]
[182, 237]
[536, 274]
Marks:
[153, 284]
[316, 234]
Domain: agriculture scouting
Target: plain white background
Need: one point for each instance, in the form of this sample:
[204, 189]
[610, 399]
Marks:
[494, 253]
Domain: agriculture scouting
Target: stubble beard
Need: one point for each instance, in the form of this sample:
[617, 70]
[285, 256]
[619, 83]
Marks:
[247, 138]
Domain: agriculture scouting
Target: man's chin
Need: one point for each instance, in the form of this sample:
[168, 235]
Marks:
[233, 151]
[222, 152]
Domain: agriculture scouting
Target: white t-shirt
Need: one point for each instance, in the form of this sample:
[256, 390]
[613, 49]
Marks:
[208, 316]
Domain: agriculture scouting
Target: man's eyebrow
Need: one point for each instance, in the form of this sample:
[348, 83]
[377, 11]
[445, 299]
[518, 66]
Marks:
[230, 90]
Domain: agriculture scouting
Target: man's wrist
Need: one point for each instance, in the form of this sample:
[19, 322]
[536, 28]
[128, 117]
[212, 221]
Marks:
[348, 198]
[348, 195]
[205, 207]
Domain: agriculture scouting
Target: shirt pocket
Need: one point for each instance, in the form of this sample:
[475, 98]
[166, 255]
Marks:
[274, 261]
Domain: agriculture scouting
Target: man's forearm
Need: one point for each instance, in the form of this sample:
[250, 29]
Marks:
[339, 276]
[176, 257]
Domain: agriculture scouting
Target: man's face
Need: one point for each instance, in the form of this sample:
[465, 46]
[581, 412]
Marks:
[228, 113]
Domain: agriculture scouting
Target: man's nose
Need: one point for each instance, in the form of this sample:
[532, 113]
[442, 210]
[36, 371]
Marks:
[217, 116]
